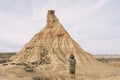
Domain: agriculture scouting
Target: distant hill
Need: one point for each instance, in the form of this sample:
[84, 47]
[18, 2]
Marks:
[5, 55]
[107, 56]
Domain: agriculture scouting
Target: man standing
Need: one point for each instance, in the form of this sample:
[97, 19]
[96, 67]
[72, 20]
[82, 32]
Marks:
[72, 63]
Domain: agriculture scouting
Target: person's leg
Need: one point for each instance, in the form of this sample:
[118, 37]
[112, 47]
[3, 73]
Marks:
[71, 77]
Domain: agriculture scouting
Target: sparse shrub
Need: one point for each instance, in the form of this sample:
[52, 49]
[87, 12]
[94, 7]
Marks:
[36, 78]
[28, 69]
[4, 64]
[39, 78]
[20, 63]
[12, 63]
[3, 61]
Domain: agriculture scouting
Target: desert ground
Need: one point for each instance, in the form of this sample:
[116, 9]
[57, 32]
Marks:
[17, 71]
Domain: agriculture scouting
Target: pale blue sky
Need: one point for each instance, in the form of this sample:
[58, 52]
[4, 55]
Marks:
[94, 24]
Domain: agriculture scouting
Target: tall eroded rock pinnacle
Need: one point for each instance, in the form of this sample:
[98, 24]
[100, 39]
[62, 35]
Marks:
[54, 39]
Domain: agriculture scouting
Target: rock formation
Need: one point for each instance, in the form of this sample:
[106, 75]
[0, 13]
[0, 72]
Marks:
[52, 43]
[52, 47]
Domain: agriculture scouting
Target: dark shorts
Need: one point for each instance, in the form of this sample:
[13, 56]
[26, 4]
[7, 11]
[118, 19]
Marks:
[72, 71]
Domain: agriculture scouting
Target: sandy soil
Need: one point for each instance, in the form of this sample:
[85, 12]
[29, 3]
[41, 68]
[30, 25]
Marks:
[17, 72]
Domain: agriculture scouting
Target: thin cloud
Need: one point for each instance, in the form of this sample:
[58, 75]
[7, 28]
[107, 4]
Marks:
[94, 24]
